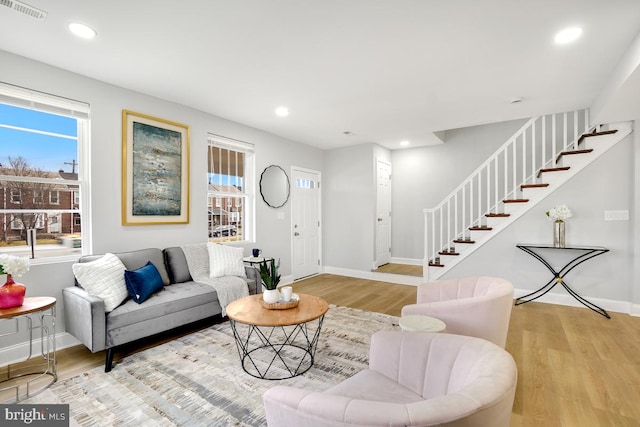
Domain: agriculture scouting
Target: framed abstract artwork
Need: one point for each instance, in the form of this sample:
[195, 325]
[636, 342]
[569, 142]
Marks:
[155, 170]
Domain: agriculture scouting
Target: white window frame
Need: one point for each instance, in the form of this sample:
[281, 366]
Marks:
[54, 200]
[38, 196]
[247, 196]
[30, 99]
[16, 196]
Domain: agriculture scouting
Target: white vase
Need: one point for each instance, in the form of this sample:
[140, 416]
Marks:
[271, 296]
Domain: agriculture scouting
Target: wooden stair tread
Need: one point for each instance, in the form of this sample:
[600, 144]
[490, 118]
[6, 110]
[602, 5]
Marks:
[449, 253]
[594, 133]
[464, 241]
[570, 153]
[558, 169]
[515, 201]
[433, 264]
[523, 186]
[497, 215]
[480, 228]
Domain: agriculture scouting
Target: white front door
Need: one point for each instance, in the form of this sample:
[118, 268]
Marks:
[305, 220]
[383, 213]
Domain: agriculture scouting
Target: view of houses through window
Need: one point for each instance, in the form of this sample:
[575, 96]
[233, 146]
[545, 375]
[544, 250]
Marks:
[39, 173]
[230, 192]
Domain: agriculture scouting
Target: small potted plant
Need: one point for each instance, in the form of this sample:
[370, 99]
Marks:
[270, 279]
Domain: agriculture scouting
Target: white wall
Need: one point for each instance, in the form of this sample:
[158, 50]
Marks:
[349, 206]
[423, 177]
[107, 103]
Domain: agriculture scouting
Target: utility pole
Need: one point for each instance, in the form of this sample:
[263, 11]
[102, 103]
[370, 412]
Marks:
[73, 165]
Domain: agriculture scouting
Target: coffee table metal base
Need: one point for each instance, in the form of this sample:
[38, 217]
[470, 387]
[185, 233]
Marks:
[277, 352]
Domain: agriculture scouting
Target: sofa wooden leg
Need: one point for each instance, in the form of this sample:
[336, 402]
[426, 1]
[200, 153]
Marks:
[109, 361]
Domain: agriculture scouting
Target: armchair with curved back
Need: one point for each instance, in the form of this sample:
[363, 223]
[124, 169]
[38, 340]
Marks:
[413, 379]
[474, 306]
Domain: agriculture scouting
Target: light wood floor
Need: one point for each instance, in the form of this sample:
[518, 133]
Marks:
[404, 269]
[575, 367]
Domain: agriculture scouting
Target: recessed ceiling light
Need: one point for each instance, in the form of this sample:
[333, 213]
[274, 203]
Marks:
[82, 30]
[568, 35]
[404, 143]
[282, 111]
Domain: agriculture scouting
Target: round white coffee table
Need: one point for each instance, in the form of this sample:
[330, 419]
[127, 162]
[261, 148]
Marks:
[416, 323]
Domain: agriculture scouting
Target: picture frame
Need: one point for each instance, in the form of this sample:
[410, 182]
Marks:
[155, 170]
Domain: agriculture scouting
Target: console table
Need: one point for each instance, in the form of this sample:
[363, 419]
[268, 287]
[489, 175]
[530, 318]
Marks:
[582, 254]
[26, 380]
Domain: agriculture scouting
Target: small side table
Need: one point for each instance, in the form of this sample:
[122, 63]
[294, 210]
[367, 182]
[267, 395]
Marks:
[417, 323]
[582, 254]
[17, 384]
[254, 261]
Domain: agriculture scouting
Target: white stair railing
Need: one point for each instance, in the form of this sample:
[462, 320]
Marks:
[535, 146]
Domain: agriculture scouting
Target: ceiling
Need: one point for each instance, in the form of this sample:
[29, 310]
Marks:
[383, 71]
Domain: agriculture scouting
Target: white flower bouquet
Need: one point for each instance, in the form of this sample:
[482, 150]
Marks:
[559, 213]
[13, 265]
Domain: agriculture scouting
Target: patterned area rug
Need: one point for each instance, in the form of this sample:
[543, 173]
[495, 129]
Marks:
[197, 380]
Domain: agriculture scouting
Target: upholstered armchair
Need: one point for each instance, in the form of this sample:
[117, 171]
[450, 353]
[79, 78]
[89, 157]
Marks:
[475, 306]
[413, 379]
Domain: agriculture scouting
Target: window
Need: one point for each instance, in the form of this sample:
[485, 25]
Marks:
[16, 196]
[54, 197]
[230, 195]
[42, 171]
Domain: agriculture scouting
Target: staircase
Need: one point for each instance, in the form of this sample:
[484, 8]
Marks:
[541, 156]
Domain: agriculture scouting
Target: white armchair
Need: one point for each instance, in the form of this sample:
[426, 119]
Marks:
[414, 379]
[474, 306]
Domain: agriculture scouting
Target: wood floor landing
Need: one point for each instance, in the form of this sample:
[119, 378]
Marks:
[404, 269]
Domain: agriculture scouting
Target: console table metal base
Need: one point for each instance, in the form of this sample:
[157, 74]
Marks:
[585, 254]
[277, 352]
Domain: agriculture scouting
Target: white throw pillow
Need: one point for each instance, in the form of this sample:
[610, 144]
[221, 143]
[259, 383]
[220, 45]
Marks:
[103, 278]
[225, 260]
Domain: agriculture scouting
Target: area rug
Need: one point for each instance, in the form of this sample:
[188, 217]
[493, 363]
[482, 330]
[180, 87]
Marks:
[197, 380]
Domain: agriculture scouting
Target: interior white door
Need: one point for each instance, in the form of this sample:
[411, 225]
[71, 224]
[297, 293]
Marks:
[305, 220]
[383, 213]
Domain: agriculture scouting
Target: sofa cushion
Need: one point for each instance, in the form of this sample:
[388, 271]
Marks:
[143, 282]
[133, 260]
[176, 263]
[170, 299]
[103, 278]
[225, 260]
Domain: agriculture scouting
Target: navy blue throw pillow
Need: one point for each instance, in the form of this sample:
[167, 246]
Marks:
[143, 282]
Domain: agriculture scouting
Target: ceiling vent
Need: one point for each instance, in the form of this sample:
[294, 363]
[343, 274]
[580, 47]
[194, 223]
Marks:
[25, 9]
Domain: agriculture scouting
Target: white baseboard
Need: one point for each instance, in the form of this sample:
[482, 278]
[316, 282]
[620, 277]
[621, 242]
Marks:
[635, 310]
[408, 261]
[18, 352]
[372, 275]
[568, 300]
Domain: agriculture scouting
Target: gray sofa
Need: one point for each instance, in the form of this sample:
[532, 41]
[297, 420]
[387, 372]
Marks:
[181, 301]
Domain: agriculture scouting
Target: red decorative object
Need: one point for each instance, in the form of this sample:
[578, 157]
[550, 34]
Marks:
[12, 293]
